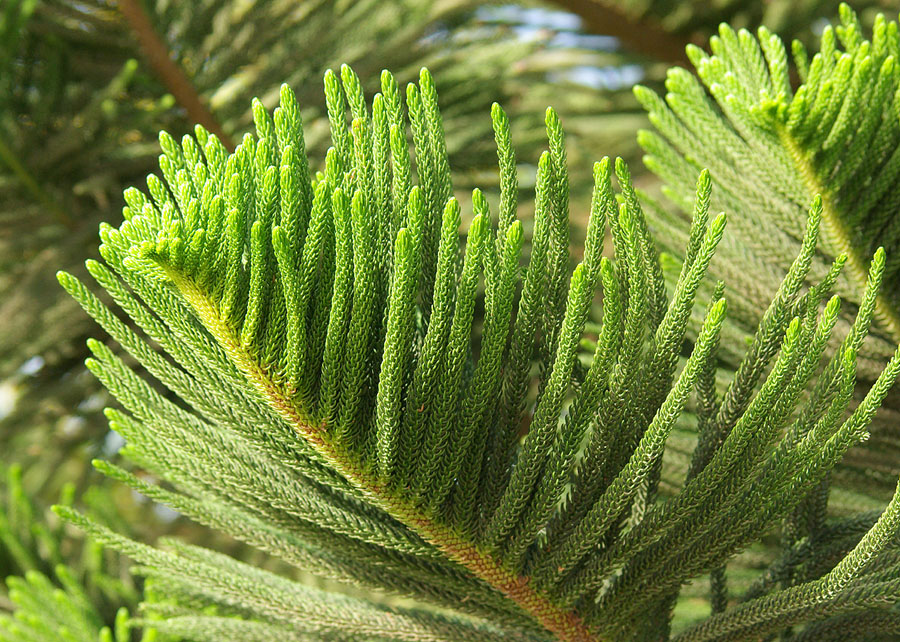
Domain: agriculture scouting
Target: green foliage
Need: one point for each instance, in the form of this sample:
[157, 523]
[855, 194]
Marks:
[59, 587]
[80, 109]
[770, 148]
[335, 404]
[47, 613]
[775, 148]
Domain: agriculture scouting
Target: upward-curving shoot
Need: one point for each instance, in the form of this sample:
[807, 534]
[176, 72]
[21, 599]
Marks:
[333, 363]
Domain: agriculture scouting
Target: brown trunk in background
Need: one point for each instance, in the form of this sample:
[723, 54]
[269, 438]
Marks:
[642, 36]
[169, 73]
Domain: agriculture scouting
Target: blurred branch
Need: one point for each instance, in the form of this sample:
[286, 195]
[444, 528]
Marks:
[643, 36]
[171, 75]
[8, 157]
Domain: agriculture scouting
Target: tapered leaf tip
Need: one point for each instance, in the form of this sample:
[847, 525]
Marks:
[478, 227]
[479, 202]
[642, 93]
[725, 30]
[403, 243]
[515, 233]
[544, 161]
[695, 54]
[65, 513]
[833, 305]
[846, 12]
[718, 310]
[166, 140]
[719, 222]
[815, 211]
[416, 197]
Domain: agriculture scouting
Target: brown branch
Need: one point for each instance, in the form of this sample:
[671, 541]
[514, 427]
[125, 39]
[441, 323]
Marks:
[642, 36]
[172, 76]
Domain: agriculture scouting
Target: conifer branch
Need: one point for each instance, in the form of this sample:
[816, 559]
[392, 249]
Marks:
[772, 147]
[566, 625]
[31, 184]
[318, 335]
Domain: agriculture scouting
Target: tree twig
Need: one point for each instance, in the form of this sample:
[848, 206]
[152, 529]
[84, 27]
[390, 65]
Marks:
[171, 75]
[9, 158]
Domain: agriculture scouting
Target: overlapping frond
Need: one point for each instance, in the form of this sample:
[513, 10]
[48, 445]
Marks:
[46, 613]
[336, 405]
[770, 146]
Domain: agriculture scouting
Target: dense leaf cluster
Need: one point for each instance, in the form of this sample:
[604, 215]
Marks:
[340, 409]
[770, 148]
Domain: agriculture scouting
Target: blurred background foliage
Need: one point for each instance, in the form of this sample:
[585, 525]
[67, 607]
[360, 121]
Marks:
[85, 87]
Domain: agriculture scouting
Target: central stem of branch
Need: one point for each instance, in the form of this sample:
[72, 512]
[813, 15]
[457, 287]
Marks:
[563, 623]
[837, 236]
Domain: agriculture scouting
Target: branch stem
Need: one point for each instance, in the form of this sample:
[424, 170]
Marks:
[565, 624]
[838, 237]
